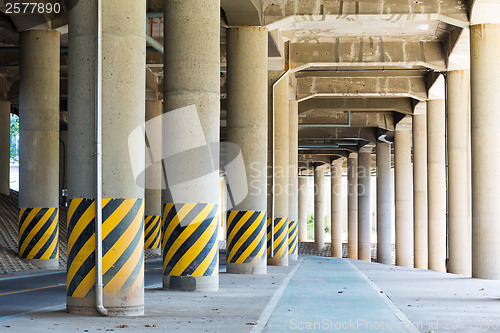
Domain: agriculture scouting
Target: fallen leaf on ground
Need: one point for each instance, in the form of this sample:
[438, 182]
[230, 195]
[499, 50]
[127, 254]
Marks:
[122, 326]
[252, 323]
[151, 325]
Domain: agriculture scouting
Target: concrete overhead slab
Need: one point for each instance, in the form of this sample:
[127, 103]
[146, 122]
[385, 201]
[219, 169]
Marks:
[376, 86]
[359, 52]
[401, 105]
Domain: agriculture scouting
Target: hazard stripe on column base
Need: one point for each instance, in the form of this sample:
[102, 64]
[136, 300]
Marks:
[39, 236]
[190, 247]
[246, 244]
[123, 256]
[152, 232]
[293, 249]
[279, 243]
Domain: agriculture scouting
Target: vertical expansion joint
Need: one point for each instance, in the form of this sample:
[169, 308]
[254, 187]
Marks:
[123, 247]
[293, 230]
[279, 241]
[152, 232]
[190, 243]
[39, 233]
[245, 236]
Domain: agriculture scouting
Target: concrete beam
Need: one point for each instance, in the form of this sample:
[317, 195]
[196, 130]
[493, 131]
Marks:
[401, 105]
[242, 12]
[314, 158]
[393, 86]
[362, 52]
[453, 11]
[152, 86]
[367, 134]
[383, 120]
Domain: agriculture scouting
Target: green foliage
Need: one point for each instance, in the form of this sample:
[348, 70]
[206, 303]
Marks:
[14, 133]
[310, 226]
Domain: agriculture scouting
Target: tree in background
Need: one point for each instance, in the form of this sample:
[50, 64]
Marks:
[14, 134]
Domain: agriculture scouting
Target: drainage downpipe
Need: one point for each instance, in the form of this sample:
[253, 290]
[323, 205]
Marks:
[154, 43]
[284, 75]
[98, 185]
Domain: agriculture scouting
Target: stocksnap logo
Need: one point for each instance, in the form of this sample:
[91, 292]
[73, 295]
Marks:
[177, 148]
[29, 14]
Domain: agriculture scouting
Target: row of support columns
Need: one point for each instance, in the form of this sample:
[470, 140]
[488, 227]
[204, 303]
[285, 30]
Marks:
[192, 66]
[420, 191]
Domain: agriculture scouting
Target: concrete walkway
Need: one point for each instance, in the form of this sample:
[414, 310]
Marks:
[439, 302]
[331, 294]
[316, 294]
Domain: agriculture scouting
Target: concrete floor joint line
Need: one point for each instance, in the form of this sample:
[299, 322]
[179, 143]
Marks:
[401, 316]
[266, 314]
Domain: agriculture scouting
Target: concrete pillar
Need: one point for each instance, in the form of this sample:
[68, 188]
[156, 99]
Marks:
[4, 147]
[302, 209]
[384, 204]
[364, 204]
[485, 134]
[223, 210]
[63, 166]
[420, 190]
[436, 183]
[247, 127]
[319, 208]
[458, 138]
[39, 148]
[192, 69]
[124, 98]
[152, 195]
[336, 208]
[352, 206]
[281, 124]
[293, 195]
[403, 197]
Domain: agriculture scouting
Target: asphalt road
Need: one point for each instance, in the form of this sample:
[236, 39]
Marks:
[47, 291]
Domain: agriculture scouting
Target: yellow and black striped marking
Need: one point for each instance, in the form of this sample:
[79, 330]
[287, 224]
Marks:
[152, 232]
[293, 231]
[190, 243]
[245, 236]
[280, 238]
[123, 246]
[39, 233]
[269, 237]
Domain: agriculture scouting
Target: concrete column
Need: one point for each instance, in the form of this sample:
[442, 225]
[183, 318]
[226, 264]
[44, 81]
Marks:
[302, 209]
[352, 206]
[293, 195]
[123, 161]
[485, 134]
[281, 125]
[223, 210]
[384, 204]
[459, 223]
[403, 198]
[319, 208]
[4, 147]
[192, 69]
[39, 148]
[436, 183]
[420, 190]
[247, 127]
[152, 195]
[336, 208]
[364, 204]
